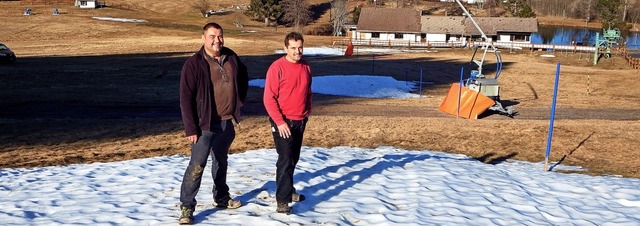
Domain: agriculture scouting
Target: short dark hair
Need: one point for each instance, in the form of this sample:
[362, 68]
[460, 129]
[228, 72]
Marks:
[211, 25]
[295, 36]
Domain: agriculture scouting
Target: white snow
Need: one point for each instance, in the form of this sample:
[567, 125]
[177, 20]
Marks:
[119, 19]
[343, 185]
[358, 86]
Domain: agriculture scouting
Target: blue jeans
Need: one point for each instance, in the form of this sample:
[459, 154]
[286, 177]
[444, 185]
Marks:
[215, 142]
[288, 155]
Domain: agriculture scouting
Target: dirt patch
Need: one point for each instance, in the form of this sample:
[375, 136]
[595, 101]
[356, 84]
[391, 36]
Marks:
[86, 91]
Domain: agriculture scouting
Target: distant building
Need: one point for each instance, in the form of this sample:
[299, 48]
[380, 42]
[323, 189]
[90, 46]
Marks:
[87, 4]
[387, 24]
[504, 29]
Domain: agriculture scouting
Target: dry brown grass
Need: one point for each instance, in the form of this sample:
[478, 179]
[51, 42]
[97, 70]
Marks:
[86, 91]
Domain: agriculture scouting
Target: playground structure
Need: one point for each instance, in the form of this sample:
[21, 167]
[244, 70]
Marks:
[604, 45]
[472, 96]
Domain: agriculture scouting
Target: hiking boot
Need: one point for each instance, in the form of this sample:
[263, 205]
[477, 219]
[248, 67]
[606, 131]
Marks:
[295, 197]
[283, 207]
[229, 204]
[186, 217]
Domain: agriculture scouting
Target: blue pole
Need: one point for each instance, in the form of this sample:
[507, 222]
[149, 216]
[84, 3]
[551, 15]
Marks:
[460, 91]
[420, 82]
[551, 120]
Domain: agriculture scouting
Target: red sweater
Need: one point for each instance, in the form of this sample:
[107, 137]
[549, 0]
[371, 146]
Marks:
[287, 90]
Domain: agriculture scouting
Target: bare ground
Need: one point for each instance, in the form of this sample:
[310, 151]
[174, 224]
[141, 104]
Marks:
[86, 91]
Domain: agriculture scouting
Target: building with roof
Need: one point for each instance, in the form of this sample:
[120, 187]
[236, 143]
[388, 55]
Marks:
[87, 4]
[387, 24]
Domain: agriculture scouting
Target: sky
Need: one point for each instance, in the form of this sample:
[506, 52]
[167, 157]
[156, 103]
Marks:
[343, 185]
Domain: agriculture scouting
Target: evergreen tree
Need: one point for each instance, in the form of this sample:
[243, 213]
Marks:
[267, 10]
[520, 8]
[608, 12]
[356, 14]
[526, 12]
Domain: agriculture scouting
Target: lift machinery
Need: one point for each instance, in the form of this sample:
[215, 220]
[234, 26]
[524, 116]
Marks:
[477, 93]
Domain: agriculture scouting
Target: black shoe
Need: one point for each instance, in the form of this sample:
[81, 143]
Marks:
[229, 204]
[186, 217]
[283, 207]
[295, 197]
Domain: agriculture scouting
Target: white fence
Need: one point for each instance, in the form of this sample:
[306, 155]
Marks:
[461, 44]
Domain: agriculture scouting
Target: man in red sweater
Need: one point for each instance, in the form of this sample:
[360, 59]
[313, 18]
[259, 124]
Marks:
[287, 98]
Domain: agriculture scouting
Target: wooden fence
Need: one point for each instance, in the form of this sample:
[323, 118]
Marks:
[633, 62]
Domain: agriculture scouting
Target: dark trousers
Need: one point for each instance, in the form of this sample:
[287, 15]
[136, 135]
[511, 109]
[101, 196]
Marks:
[215, 142]
[288, 155]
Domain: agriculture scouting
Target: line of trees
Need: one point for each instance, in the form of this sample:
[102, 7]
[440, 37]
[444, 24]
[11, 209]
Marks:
[612, 13]
[296, 13]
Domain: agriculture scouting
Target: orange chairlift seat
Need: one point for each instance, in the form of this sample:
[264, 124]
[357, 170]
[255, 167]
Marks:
[465, 103]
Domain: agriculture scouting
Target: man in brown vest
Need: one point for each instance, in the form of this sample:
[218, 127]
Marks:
[213, 87]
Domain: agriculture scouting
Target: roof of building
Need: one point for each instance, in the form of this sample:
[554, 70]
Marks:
[443, 24]
[389, 19]
[410, 21]
[493, 25]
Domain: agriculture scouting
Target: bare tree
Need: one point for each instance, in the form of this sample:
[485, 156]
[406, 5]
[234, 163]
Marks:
[297, 13]
[634, 14]
[404, 3]
[551, 7]
[376, 2]
[624, 11]
[202, 6]
[489, 5]
[584, 8]
[340, 15]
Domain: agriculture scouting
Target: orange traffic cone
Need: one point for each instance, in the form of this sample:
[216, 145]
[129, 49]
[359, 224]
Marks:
[349, 50]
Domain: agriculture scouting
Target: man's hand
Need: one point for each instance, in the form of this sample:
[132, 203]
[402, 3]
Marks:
[284, 130]
[193, 138]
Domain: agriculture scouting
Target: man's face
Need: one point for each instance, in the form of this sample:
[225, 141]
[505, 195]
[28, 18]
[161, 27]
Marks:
[294, 51]
[213, 41]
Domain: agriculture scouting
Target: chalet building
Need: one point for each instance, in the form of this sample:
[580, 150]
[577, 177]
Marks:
[392, 25]
[504, 29]
[87, 4]
[443, 29]
[500, 29]
[389, 24]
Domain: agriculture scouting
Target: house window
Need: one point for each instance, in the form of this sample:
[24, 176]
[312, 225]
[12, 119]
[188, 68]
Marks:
[398, 35]
[375, 35]
[83, 3]
[520, 38]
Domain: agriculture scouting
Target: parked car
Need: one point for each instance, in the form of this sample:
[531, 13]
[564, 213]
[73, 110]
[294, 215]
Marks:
[6, 55]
